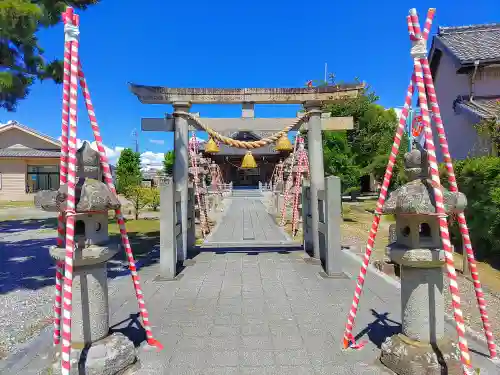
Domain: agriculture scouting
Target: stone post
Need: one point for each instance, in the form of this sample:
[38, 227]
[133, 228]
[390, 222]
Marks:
[306, 211]
[333, 265]
[316, 167]
[168, 251]
[422, 347]
[191, 237]
[181, 170]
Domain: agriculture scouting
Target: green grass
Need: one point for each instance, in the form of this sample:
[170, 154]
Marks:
[17, 204]
[143, 234]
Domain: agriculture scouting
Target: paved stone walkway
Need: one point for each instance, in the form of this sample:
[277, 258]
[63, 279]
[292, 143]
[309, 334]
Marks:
[236, 313]
[246, 223]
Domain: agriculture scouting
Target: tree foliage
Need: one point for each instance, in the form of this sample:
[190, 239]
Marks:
[154, 198]
[21, 56]
[128, 170]
[479, 180]
[366, 148]
[139, 196]
[168, 163]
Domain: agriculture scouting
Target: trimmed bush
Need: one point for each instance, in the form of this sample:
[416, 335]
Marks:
[479, 180]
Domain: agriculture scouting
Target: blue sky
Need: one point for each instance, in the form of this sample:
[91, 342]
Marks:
[231, 44]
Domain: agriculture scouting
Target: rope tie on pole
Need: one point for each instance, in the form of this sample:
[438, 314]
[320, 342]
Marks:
[71, 32]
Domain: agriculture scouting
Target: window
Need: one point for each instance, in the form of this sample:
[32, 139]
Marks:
[42, 177]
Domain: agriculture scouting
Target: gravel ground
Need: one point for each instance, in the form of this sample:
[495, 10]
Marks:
[26, 293]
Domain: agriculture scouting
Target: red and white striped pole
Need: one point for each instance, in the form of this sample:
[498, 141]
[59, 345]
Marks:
[464, 230]
[108, 179]
[63, 171]
[71, 34]
[348, 340]
[438, 196]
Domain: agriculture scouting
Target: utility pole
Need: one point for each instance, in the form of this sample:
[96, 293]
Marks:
[135, 135]
[326, 72]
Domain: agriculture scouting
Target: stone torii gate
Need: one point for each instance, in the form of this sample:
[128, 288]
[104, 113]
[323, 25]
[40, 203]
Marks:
[312, 99]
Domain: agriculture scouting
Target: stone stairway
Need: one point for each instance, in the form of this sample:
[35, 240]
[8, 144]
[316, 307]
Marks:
[247, 193]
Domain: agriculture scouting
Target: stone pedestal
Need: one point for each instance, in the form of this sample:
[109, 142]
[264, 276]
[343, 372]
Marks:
[90, 313]
[93, 350]
[422, 348]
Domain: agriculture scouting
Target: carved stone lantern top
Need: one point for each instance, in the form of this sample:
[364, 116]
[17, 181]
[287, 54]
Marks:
[88, 162]
[91, 193]
[417, 196]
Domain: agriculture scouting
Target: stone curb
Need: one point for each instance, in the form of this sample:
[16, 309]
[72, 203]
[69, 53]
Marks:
[476, 336]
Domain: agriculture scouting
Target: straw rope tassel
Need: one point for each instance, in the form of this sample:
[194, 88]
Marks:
[70, 208]
[194, 164]
[440, 210]
[119, 216]
[289, 182]
[301, 168]
[464, 230]
[63, 171]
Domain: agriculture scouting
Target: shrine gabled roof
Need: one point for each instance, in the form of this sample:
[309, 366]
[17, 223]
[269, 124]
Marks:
[471, 43]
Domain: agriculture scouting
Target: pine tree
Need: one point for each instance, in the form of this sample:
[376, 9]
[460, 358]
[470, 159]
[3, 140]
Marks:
[128, 170]
[21, 56]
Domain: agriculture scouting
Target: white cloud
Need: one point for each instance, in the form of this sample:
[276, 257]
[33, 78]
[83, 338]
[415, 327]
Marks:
[157, 141]
[152, 160]
[149, 160]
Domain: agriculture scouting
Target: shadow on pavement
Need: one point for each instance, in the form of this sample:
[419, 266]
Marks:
[28, 264]
[16, 226]
[380, 329]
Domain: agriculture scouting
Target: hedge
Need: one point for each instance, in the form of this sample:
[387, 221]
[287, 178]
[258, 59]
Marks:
[479, 180]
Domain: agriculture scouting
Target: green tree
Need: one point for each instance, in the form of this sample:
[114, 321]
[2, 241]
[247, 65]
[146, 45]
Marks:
[21, 56]
[168, 163]
[154, 198]
[139, 196]
[128, 170]
[367, 147]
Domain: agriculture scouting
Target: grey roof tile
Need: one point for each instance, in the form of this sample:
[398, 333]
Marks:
[26, 152]
[483, 106]
[471, 43]
[15, 123]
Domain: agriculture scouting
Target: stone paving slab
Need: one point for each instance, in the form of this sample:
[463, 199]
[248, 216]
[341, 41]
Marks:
[265, 314]
[247, 223]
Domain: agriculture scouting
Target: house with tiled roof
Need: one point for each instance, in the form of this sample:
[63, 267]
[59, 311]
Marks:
[29, 161]
[465, 65]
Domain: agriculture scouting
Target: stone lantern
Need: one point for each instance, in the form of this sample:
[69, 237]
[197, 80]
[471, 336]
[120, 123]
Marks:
[91, 342]
[422, 347]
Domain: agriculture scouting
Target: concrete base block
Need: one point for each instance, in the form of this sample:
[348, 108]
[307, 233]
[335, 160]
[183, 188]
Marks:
[113, 355]
[407, 357]
[189, 262]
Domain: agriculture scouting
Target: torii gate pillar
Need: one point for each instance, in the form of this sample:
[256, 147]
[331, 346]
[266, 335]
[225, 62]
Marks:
[316, 166]
[181, 169]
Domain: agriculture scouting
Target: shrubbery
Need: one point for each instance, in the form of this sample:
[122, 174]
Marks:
[479, 180]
